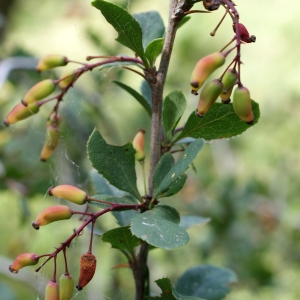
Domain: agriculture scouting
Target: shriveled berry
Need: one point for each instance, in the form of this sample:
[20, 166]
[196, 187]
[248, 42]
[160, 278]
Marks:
[244, 34]
[211, 4]
[87, 270]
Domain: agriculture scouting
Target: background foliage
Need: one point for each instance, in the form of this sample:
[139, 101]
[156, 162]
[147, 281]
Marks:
[248, 185]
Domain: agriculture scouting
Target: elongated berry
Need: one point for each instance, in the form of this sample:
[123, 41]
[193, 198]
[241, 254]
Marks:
[87, 270]
[229, 79]
[242, 104]
[204, 68]
[66, 287]
[69, 192]
[51, 61]
[52, 291]
[51, 142]
[52, 214]
[39, 91]
[21, 112]
[211, 4]
[23, 260]
[66, 78]
[244, 34]
[208, 96]
[138, 145]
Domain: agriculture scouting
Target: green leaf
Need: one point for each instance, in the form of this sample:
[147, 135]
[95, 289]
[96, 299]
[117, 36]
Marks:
[115, 163]
[103, 187]
[189, 221]
[206, 281]
[219, 122]
[152, 26]
[179, 169]
[169, 292]
[183, 21]
[154, 49]
[136, 95]
[159, 228]
[129, 30]
[146, 92]
[121, 238]
[164, 165]
[119, 64]
[113, 199]
[174, 107]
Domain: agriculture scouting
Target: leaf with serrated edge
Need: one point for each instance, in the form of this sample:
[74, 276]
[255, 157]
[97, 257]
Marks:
[153, 50]
[152, 26]
[129, 30]
[136, 95]
[173, 108]
[121, 238]
[219, 122]
[207, 281]
[169, 292]
[115, 163]
[158, 227]
[180, 167]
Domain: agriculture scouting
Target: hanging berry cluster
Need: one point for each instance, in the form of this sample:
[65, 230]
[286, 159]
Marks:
[231, 77]
[42, 93]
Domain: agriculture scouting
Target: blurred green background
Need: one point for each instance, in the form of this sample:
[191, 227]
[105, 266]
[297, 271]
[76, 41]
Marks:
[248, 185]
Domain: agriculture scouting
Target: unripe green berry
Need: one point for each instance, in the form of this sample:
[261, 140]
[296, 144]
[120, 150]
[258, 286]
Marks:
[225, 95]
[204, 68]
[51, 61]
[69, 192]
[52, 291]
[52, 214]
[138, 145]
[23, 260]
[230, 78]
[242, 104]
[66, 286]
[51, 142]
[39, 91]
[21, 112]
[208, 96]
[66, 78]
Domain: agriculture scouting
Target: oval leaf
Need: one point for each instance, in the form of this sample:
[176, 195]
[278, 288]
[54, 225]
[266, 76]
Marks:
[174, 107]
[178, 170]
[129, 30]
[159, 228]
[219, 122]
[115, 163]
[206, 281]
[136, 95]
[154, 49]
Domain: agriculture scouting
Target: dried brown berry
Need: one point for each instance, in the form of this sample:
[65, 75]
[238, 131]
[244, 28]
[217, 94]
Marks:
[87, 270]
